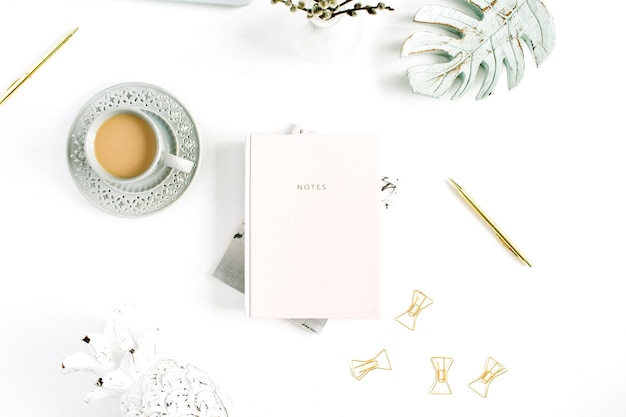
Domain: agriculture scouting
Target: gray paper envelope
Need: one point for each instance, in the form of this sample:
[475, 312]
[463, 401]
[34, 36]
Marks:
[230, 269]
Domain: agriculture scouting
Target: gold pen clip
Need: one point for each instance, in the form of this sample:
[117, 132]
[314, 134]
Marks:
[507, 244]
[492, 370]
[419, 302]
[360, 368]
[442, 366]
[499, 234]
[14, 86]
[18, 81]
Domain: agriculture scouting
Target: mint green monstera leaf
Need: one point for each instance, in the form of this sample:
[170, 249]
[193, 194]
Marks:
[492, 40]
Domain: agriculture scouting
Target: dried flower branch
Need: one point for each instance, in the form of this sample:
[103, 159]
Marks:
[327, 9]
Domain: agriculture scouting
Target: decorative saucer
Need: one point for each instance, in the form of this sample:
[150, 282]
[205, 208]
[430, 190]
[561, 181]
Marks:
[160, 189]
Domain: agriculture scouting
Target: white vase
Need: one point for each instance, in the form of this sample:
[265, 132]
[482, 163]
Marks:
[326, 41]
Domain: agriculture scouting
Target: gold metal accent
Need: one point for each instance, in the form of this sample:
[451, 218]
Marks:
[419, 302]
[17, 83]
[360, 368]
[499, 234]
[481, 384]
[442, 366]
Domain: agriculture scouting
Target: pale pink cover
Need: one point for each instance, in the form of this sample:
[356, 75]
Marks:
[312, 253]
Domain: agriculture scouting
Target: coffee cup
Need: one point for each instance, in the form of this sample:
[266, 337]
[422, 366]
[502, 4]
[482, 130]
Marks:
[124, 145]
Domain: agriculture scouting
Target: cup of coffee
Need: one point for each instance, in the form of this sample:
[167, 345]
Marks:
[125, 145]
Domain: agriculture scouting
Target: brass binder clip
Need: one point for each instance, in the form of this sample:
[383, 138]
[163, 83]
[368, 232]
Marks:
[442, 366]
[493, 369]
[419, 302]
[380, 361]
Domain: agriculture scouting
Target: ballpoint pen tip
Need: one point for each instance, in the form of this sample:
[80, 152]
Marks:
[457, 186]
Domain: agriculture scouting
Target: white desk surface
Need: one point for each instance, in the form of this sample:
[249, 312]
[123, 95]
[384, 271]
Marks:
[545, 160]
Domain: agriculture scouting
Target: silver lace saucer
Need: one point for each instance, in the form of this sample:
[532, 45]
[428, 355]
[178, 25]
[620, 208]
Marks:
[162, 188]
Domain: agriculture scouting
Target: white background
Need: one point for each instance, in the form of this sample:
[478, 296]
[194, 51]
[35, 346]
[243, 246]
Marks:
[545, 160]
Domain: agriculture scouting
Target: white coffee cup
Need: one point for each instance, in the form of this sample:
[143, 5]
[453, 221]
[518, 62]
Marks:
[124, 145]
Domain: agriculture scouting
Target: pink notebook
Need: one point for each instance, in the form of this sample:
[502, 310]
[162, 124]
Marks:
[312, 226]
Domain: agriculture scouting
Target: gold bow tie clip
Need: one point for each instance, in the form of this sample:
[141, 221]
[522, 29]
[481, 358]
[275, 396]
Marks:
[360, 368]
[493, 369]
[442, 366]
[419, 302]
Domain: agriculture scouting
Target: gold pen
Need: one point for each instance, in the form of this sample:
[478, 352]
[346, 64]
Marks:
[499, 234]
[17, 83]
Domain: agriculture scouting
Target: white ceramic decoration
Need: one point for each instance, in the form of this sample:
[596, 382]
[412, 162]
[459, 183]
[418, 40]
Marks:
[492, 40]
[145, 385]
